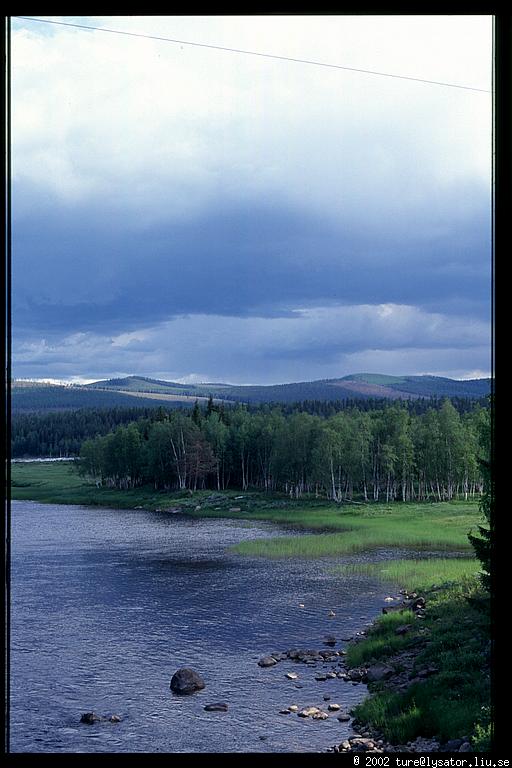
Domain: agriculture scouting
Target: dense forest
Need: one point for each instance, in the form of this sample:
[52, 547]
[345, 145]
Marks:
[61, 433]
[390, 453]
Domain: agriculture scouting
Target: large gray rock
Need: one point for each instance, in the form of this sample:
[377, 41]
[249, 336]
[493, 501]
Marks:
[418, 604]
[452, 746]
[186, 681]
[267, 661]
[361, 744]
[378, 672]
[309, 712]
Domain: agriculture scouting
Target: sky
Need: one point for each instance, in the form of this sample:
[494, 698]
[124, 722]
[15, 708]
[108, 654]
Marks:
[198, 215]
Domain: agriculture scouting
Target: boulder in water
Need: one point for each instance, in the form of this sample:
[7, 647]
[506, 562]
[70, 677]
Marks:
[90, 718]
[186, 681]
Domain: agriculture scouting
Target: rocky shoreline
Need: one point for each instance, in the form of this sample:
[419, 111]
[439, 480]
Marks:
[396, 675]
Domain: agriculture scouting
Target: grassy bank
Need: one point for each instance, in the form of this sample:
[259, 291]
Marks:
[439, 527]
[454, 638]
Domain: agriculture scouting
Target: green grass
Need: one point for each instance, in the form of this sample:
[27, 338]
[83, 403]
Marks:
[424, 574]
[442, 526]
[381, 643]
[60, 483]
[450, 703]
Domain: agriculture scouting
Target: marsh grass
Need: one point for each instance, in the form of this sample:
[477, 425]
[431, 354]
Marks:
[381, 639]
[424, 574]
[438, 527]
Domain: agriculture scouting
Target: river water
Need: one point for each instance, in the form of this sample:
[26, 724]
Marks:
[107, 604]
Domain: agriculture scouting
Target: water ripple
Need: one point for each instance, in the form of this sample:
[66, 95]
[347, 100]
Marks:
[107, 604]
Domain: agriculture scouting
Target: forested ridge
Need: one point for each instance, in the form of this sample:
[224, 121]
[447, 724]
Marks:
[61, 433]
[67, 399]
[389, 453]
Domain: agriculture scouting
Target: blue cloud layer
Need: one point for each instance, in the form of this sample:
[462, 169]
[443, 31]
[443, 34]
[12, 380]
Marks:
[76, 270]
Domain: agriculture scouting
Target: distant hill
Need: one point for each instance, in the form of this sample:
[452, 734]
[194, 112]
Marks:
[143, 391]
[424, 386]
[69, 398]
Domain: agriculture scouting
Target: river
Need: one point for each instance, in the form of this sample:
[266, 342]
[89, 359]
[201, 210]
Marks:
[107, 604]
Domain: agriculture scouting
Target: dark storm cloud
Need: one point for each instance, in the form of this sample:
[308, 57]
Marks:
[81, 269]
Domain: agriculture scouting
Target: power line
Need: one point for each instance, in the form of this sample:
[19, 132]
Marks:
[252, 53]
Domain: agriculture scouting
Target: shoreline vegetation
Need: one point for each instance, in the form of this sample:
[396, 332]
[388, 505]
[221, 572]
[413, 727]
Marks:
[451, 633]
[385, 453]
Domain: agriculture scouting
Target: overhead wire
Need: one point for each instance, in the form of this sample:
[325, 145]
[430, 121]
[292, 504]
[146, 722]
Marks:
[252, 53]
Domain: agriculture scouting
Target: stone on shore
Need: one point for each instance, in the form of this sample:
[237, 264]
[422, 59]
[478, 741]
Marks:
[378, 672]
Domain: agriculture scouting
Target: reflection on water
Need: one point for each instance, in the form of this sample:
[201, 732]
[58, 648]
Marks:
[107, 604]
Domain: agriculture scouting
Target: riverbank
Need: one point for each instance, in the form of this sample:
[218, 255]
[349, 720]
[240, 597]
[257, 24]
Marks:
[336, 529]
[428, 671]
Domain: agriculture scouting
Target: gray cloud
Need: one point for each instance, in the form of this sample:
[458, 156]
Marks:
[174, 195]
[313, 343]
[73, 271]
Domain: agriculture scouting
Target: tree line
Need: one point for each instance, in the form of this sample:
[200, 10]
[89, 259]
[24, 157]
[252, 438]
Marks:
[383, 454]
[415, 405]
[61, 433]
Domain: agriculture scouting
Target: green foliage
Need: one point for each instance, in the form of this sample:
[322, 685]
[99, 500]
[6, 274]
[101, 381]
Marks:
[388, 453]
[449, 704]
[381, 640]
[481, 740]
[484, 542]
